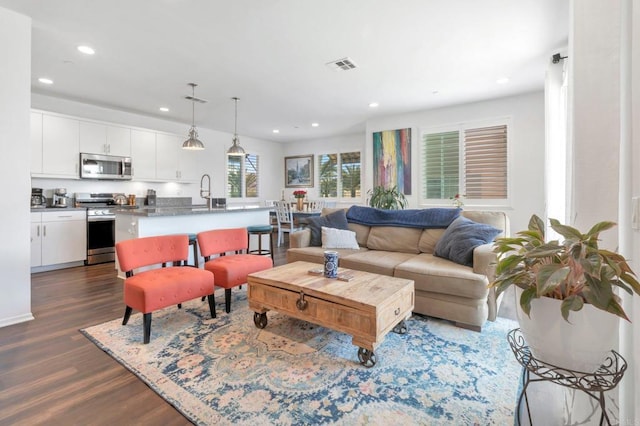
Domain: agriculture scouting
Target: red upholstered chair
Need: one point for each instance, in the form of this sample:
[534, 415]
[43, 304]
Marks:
[230, 270]
[154, 289]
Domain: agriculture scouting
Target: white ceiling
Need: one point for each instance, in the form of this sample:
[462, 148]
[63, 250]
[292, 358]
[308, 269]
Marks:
[272, 55]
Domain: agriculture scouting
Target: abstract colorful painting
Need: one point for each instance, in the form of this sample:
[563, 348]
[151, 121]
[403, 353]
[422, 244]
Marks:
[392, 159]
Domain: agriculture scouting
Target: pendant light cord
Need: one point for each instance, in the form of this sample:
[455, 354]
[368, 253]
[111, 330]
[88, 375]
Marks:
[193, 105]
[235, 126]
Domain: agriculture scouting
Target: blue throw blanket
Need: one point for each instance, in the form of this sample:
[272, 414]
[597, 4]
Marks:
[416, 218]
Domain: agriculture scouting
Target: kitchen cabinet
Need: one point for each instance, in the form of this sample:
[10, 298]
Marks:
[143, 154]
[96, 138]
[36, 142]
[36, 239]
[168, 149]
[60, 146]
[58, 237]
[189, 165]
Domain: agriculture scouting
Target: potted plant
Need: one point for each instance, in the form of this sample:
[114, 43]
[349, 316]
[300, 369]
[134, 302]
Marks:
[387, 198]
[576, 280]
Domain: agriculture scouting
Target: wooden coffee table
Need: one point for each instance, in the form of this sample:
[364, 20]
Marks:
[367, 307]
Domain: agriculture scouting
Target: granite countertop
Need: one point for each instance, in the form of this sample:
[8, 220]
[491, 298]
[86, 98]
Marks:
[146, 211]
[56, 209]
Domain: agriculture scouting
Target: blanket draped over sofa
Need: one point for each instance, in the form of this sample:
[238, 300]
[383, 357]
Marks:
[412, 218]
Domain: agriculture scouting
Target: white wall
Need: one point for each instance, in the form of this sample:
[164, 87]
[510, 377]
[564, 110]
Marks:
[15, 85]
[213, 157]
[527, 147]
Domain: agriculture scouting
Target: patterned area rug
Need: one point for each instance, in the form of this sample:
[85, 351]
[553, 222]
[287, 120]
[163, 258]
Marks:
[227, 371]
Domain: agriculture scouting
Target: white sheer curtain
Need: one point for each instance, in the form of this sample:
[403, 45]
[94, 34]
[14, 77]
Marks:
[556, 142]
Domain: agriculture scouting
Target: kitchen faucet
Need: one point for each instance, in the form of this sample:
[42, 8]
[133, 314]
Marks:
[206, 193]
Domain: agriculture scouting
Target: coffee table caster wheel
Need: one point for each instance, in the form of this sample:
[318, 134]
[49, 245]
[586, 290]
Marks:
[400, 328]
[366, 357]
[260, 320]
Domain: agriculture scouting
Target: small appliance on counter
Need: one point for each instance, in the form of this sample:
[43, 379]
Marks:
[38, 201]
[151, 197]
[60, 198]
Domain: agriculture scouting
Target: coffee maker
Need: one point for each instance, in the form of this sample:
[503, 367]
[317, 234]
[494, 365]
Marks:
[37, 199]
[60, 198]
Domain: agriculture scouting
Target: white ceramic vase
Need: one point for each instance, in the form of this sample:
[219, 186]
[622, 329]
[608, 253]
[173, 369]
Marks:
[579, 345]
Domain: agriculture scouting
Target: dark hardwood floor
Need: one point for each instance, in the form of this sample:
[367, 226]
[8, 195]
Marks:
[51, 374]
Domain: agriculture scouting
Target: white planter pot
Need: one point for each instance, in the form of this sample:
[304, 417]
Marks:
[581, 345]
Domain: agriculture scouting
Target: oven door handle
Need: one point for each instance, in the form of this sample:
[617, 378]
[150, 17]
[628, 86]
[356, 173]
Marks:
[100, 218]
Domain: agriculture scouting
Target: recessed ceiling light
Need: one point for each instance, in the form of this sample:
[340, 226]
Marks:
[86, 50]
[164, 109]
[435, 92]
[276, 131]
[315, 124]
[503, 80]
[373, 105]
[44, 80]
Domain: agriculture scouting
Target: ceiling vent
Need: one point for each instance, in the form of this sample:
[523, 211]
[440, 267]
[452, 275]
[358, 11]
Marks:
[194, 99]
[344, 64]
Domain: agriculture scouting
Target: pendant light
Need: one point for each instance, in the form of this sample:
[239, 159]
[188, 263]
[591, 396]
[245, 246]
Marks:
[193, 143]
[236, 149]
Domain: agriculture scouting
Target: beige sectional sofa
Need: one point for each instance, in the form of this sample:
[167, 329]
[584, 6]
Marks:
[443, 289]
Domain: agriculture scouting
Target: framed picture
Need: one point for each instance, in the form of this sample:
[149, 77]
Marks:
[392, 159]
[298, 171]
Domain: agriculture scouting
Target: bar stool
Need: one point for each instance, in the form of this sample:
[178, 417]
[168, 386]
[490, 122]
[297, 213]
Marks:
[193, 241]
[261, 230]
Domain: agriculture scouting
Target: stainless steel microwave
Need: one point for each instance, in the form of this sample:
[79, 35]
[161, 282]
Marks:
[110, 167]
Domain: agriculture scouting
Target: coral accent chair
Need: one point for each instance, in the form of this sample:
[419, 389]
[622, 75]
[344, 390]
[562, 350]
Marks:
[230, 270]
[157, 288]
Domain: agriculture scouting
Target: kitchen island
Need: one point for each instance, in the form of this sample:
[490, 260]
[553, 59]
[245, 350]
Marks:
[147, 222]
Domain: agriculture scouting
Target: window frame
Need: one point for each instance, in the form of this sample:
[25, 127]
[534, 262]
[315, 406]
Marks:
[243, 179]
[460, 127]
[338, 177]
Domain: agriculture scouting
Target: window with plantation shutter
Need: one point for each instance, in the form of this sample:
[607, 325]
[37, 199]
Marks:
[340, 175]
[470, 160]
[440, 165]
[251, 175]
[242, 176]
[485, 163]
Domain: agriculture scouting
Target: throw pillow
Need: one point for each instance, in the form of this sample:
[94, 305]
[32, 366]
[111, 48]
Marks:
[337, 219]
[338, 238]
[461, 237]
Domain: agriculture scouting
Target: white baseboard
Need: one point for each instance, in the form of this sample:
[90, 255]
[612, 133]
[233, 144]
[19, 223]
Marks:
[15, 320]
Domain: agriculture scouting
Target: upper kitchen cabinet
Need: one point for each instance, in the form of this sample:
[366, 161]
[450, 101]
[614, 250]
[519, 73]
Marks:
[60, 147]
[143, 154]
[36, 142]
[190, 165]
[98, 138]
[168, 149]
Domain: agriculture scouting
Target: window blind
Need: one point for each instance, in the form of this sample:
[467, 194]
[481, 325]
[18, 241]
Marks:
[328, 173]
[485, 163]
[251, 175]
[440, 165]
[234, 176]
[350, 174]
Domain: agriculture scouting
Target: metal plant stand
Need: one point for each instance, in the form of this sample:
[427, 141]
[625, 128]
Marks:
[595, 384]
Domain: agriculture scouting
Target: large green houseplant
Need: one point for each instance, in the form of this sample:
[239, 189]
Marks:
[387, 198]
[575, 271]
[566, 277]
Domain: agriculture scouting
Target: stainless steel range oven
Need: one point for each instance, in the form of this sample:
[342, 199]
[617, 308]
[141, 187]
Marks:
[101, 226]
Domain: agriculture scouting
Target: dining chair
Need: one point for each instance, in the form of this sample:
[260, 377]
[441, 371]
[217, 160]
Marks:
[284, 215]
[316, 205]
